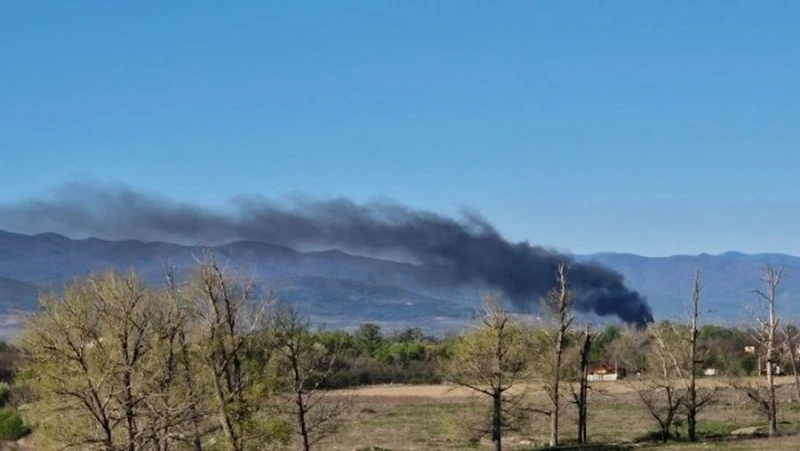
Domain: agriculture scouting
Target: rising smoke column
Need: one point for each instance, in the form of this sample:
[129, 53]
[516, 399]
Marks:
[469, 246]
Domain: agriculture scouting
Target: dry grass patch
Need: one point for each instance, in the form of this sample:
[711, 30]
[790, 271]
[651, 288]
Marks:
[438, 417]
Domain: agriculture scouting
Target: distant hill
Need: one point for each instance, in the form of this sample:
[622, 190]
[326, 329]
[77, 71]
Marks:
[729, 280]
[343, 290]
[16, 294]
[334, 287]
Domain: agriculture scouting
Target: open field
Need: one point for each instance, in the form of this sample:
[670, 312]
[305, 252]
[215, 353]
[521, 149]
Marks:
[434, 417]
[449, 391]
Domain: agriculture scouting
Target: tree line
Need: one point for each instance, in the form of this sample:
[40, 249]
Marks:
[209, 362]
[504, 357]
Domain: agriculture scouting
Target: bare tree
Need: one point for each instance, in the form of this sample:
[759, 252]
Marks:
[559, 303]
[656, 387]
[695, 399]
[691, 401]
[490, 361]
[765, 336]
[307, 364]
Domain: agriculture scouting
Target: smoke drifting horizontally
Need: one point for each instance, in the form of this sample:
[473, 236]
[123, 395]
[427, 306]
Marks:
[470, 245]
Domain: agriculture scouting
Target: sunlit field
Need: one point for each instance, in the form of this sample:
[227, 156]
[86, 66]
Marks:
[431, 417]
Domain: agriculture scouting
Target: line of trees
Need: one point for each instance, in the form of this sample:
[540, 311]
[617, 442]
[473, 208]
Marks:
[209, 362]
[664, 360]
[205, 364]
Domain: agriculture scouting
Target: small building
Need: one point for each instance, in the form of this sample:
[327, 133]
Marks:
[776, 368]
[604, 371]
[710, 372]
[750, 349]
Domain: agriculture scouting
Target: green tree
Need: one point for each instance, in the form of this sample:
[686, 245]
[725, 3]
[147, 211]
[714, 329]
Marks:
[98, 356]
[490, 360]
[225, 318]
[306, 363]
[409, 335]
[115, 365]
[602, 346]
[368, 339]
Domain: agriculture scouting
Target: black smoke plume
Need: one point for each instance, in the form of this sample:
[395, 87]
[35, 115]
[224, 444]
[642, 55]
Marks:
[469, 246]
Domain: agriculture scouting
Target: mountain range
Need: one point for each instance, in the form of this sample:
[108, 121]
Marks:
[342, 290]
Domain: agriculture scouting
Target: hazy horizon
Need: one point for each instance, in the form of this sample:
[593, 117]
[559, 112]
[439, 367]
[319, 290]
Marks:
[387, 256]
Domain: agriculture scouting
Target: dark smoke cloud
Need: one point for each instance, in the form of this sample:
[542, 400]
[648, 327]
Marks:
[470, 246]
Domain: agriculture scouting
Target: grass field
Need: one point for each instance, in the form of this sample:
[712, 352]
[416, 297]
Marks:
[443, 418]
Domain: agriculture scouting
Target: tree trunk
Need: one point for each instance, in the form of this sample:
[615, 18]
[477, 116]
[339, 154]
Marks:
[497, 421]
[773, 410]
[301, 420]
[130, 416]
[692, 407]
[108, 440]
[223, 414]
[127, 381]
[583, 393]
[772, 414]
[497, 394]
[564, 321]
[674, 405]
[299, 400]
[197, 442]
[555, 390]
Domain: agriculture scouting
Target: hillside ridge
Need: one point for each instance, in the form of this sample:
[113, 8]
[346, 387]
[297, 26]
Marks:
[338, 286]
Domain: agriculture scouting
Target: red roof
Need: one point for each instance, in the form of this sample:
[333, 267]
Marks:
[603, 368]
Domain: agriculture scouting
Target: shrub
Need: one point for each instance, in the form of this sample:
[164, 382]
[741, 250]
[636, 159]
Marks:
[12, 427]
[367, 371]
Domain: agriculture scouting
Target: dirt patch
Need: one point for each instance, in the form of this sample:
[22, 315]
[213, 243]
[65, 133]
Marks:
[746, 431]
[410, 391]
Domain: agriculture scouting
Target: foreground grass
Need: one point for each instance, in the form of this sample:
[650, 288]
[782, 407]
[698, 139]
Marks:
[773, 444]
[434, 418]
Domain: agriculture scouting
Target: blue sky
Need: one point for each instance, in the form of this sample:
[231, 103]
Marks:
[654, 128]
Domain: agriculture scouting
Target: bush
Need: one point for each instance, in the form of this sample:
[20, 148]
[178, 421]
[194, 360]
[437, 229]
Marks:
[12, 427]
[373, 372]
